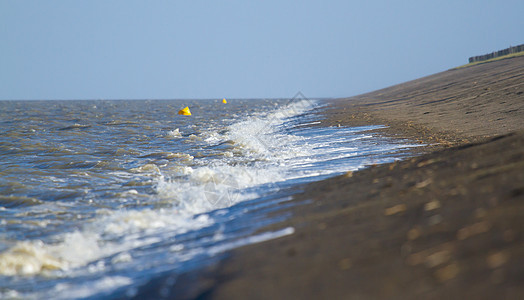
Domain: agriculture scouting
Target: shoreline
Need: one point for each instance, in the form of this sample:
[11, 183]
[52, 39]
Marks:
[452, 108]
[447, 223]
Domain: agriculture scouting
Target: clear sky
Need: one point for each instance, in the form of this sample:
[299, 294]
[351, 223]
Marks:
[128, 49]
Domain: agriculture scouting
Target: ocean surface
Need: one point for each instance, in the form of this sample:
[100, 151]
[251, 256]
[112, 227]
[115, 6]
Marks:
[99, 197]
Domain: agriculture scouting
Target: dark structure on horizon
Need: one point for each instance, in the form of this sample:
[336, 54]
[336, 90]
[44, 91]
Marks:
[491, 55]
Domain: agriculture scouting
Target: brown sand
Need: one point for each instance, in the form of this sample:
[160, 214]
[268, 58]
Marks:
[445, 224]
[454, 107]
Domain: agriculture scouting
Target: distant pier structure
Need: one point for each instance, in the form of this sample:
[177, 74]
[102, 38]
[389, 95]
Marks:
[491, 55]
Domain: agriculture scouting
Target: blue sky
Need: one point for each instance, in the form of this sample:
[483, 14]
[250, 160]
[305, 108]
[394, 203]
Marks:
[239, 49]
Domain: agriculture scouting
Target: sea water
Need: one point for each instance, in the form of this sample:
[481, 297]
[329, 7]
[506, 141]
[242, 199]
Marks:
[99, 197]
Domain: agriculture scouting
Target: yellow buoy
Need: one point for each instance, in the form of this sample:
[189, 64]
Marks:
[185, 111]
[224, 101]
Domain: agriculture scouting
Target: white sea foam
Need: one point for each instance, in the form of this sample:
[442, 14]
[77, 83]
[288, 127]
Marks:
[258, 238]
[90, 289]
[260, 134]
[175, 133]
[113, 233]
[264, 151]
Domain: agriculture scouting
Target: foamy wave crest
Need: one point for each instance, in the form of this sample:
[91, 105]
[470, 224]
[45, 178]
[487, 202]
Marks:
[210, 188]
[260, 135]
[263, 148]
[175, 133]
[109, 235]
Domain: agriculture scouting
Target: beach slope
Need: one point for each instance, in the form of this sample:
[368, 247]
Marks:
[448, 223]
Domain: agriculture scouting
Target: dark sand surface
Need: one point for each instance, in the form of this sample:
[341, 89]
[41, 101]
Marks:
[446, 224]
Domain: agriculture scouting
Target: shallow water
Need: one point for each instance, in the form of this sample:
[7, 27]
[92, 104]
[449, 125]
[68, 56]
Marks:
[98, 197]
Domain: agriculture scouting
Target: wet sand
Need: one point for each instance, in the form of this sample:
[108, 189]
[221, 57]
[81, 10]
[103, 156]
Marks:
[448, 223]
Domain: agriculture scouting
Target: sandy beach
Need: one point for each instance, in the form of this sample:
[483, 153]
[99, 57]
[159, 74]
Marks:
[447, 223]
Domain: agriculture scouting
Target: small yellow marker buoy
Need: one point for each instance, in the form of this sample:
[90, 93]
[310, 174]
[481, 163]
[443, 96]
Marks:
[185, 111]
[224, 101]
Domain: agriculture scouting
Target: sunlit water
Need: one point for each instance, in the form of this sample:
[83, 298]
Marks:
[98, 197]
